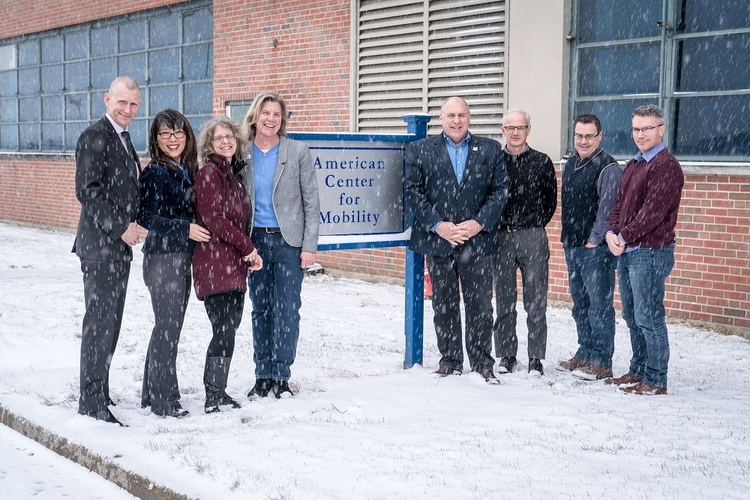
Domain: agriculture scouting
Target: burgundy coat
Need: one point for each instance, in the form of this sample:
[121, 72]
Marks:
[222, 208]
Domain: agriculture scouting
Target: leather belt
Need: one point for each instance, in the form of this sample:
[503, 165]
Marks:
[269, 230]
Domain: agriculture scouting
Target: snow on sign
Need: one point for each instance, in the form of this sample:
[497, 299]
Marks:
[361, 186]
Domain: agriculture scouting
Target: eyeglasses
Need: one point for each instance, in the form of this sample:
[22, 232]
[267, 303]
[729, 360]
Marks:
[512, 128]
[177, 135]
[645, 130]
[588, 137]
[220, 138]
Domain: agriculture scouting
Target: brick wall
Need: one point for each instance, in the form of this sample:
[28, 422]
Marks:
[38, 191]
[309, 66]
[42, 15]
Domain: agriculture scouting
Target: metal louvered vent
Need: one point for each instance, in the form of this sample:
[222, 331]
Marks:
[412, 55]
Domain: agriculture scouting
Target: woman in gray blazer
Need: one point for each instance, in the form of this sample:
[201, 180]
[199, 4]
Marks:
[281, 183]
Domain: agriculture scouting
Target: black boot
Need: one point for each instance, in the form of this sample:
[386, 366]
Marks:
[215, 378]
[262, 388]
[145, 398]
[280, 387]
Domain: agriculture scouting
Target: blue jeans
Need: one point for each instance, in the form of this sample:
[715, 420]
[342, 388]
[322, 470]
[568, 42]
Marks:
[642, 275]
[591, 278]
[275, 294]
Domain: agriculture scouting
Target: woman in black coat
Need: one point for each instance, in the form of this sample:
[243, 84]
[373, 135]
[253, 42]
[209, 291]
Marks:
[168, 212]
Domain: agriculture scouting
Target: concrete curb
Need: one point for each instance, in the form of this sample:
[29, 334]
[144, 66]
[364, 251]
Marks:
[135, 484]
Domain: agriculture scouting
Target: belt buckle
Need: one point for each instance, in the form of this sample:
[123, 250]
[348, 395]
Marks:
[271, 230]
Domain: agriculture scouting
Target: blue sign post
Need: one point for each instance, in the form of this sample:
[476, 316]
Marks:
[362, 205]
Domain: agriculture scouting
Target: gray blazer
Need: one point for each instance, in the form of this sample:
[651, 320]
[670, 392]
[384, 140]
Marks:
[295, 194]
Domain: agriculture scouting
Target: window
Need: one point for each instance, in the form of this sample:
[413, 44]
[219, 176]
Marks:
[687, 56]
[412, 55]
[52, 84]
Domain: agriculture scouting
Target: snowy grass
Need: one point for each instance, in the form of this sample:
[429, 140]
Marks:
[361, 426]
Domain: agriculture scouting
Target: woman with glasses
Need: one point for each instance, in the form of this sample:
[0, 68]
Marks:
[167, 211]
[281, 181]
[220, 265]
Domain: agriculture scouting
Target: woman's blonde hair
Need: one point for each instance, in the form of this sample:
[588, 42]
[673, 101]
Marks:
[251, 118]
[206, 139]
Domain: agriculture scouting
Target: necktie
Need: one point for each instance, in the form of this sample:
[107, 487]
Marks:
[131, 151]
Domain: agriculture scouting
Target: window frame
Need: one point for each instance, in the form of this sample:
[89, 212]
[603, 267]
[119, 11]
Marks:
[667, 96]
[93, 92]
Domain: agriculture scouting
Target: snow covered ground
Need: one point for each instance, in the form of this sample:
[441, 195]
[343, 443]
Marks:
[360, 426]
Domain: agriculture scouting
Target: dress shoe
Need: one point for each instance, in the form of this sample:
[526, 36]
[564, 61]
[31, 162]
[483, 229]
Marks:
[104, 416]
[506, 364]
[261, 389]
[110, 402]
[281, 387]
[569, 365]
[535, 365]
[626, 379]
[489, 376]
[642, 388]
[592, 372]
[444, 371]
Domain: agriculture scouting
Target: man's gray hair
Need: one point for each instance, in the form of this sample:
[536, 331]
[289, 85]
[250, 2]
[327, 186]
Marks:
[648, 110]
[522, 111]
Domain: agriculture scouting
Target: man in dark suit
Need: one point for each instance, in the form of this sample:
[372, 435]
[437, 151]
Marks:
[106, 180]
[456, 185]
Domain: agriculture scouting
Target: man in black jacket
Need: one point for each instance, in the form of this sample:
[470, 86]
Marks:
[456, 186]
[532, 199]
[106, 184]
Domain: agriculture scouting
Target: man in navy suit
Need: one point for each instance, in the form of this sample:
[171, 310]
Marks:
[456, 186]
[106, 182]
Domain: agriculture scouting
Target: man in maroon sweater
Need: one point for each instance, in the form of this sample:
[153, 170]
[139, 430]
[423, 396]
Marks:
[641, 231]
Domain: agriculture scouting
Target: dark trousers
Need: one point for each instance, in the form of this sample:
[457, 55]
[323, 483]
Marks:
[527, 250]
[105, 284]
[451, 276]
[225, 313]
[168, 279]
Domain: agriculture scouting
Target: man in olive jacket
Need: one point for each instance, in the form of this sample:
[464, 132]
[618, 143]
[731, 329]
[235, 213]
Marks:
[456, 186]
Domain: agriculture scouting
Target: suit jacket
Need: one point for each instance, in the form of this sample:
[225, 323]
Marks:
[107, 186]
[434, 195]
[295, 194]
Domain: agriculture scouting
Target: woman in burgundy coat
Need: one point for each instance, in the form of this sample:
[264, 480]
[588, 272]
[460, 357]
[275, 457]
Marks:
[220, 266]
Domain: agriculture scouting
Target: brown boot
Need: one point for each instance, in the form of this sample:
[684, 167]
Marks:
[592, 372]
[569, 365]
[642, 388]
[626, 379]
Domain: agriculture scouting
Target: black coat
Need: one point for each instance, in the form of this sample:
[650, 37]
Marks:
[107, 186]
[167, 210]
[434, 195]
